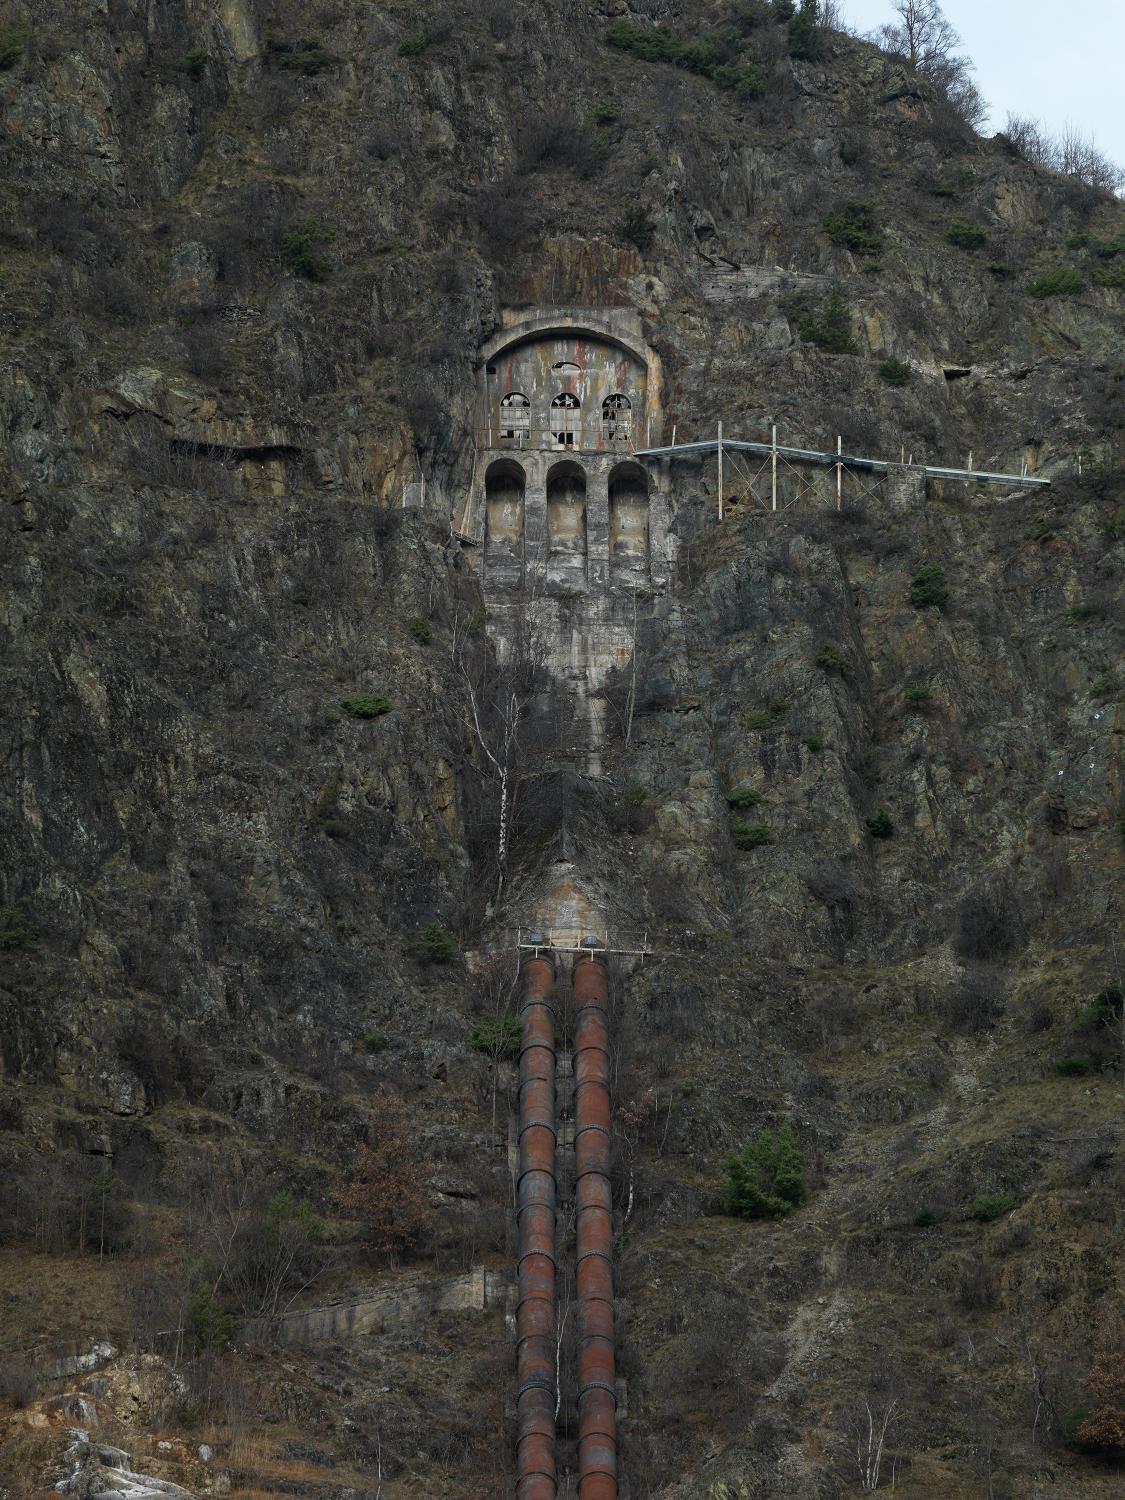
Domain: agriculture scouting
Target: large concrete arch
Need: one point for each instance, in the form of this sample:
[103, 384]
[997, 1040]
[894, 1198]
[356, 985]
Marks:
[566, 506]
[505, 485]
[552, 322]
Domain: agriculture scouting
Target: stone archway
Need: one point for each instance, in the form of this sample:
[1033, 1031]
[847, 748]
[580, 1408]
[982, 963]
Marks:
[566, 507]
[628, 515]
[504, 486]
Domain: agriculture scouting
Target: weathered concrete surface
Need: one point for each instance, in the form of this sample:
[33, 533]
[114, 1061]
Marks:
[408, 1302]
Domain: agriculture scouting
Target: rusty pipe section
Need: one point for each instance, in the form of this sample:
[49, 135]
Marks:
[536, 1392]
[597, 1399]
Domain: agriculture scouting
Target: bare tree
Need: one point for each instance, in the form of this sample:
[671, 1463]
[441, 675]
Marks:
[1072, 153]
[388, 1190]
[494, 986]
[266, 1248]
[501, 690]
[867, 1431]
[925, 39]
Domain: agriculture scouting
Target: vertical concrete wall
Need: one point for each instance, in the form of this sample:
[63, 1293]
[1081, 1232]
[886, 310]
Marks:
[579, 536]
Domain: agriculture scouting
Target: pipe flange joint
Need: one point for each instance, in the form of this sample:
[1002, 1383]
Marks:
[538, 1125]
[547, 1255]
[551, 1204]
[544, 1000]
[538, 1383]
[582, 1129]
[594, 1385]
[604, 1254]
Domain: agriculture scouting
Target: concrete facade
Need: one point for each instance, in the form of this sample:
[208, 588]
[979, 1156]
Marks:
[574, 531]
[566, 395]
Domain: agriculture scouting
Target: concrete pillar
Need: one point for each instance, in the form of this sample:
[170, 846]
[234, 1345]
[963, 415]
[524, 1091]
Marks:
[535, 515]
[659, 521]
[906, 487]
[597, 525]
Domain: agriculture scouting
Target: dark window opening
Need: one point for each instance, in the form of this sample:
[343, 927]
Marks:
[617, 419]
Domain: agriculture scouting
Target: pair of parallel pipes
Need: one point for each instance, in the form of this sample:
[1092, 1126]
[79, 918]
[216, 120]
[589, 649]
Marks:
[536, 1315]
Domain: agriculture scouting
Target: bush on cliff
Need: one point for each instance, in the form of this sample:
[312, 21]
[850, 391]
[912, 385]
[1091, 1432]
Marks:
[722, 56]
[1064, 281]
[433, 945]
[766, 1179]
[302, 248]
[497, 1036]
[750, 835]
[366, 705]
[831, 328]
[928, 588]
[17, 931]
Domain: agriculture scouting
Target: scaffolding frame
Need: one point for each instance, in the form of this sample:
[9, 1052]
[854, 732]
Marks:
[595, 943]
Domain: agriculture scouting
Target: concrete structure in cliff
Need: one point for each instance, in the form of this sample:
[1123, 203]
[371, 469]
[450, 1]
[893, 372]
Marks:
[574, 529]
[565, 398]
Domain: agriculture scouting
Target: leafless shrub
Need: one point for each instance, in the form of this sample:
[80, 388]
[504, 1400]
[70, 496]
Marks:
[973, 1006]
[155, 458]
[64, 225]
[284, 149]
[828, 1019]
[265, 1247]
[465, 1233]
[866, 1437]
[550, 142]
[111, 295]
[1037, 1016]
[68, 1202]
[505, 216]
[716, 1326]
[946, 1331]
[207, 350]
[500, 17]
[450, 270]
[977, 1289]
[989, 923]
[1070, 152]
[150, 964]
[162, 1065]
[19, 1381]
[832, 887]
[383, 140]
[247, 233]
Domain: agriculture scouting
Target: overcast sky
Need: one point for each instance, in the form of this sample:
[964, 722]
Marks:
[1058, 62]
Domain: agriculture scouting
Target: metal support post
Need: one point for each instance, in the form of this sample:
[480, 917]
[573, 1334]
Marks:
[839, 473]
[720, 471]
[773, 467]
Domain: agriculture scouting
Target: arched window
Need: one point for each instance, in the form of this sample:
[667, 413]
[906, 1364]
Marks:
[515, 416]
[617, 419]
[565, 419]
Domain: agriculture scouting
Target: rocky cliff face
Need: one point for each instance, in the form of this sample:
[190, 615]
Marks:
[249, 256]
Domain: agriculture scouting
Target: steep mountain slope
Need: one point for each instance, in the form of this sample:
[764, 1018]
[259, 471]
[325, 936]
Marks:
[249, 256]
